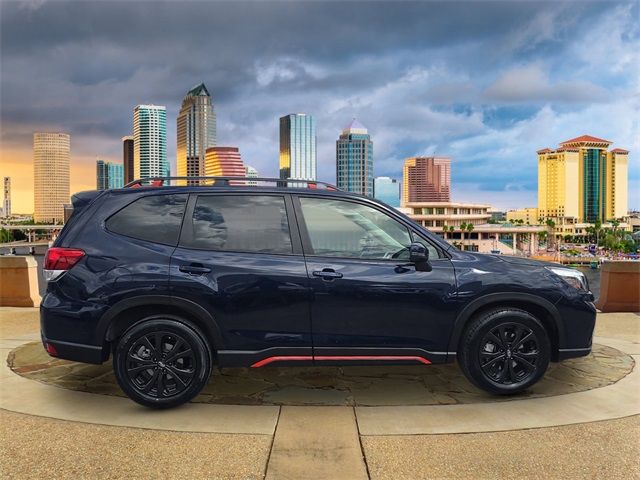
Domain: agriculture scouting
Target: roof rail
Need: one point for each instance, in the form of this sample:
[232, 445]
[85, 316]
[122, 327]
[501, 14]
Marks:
[231, 181]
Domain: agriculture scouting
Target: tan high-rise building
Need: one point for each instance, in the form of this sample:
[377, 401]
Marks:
[51, 159]
[581, 180]
[426, 179]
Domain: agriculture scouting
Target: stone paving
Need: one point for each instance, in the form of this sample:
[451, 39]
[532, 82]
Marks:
[352, 386]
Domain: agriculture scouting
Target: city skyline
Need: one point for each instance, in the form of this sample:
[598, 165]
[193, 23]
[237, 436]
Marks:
[487, 103]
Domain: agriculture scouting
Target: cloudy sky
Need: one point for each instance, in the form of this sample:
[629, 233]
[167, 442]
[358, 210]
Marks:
[486, 83]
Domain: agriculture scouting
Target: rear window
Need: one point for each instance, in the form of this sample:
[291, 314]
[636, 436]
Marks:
[155, 218]
[240, 223]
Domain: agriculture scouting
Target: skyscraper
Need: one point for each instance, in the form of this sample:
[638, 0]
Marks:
[51, 158]
[426, 179]
[6, 205]
[583, 181]
[196, 129]
[354, 159]
[298, 147]
[109, 175]
[387, 190]
[150, 141]
[224, 162]
[127, 158]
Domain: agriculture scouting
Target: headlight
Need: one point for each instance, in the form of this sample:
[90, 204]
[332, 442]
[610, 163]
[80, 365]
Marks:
[573, 277]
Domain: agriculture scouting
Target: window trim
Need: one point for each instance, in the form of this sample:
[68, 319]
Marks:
[154, 194]
[306, 239]
[294, 234]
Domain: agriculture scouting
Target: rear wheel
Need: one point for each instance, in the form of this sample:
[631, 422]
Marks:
[504, 351]
[162, 362]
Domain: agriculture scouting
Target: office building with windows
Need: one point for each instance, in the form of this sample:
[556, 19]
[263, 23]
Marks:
[298, 147]
[109, 175]
[6, 204]
[582, 181]
[150, 141]
[51, 160]
[426, 179]
[354, 160]
[251, 172]
[224, 162]
[196, 131]
[127, 158]
[387, 190]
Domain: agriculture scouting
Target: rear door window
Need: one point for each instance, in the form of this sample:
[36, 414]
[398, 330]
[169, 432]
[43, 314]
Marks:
[239, 223]
[155, 218]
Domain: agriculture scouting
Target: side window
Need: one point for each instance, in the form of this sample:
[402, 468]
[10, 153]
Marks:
[347, 229]
[240, 223]
[156, 218]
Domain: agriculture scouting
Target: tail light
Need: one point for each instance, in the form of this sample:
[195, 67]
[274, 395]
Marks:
[59, 260]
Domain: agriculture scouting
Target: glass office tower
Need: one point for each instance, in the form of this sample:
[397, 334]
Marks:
[354, 160]
[387, 190]
[150, 142]
[298, 147]
[196, 131]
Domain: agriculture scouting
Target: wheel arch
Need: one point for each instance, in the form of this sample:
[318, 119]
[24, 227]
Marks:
[126, 312]
[539, 307]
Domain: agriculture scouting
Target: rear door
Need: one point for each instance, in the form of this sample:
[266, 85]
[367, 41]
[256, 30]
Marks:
[240, 257]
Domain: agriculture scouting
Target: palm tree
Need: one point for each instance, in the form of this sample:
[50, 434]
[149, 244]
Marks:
[469, 229]
[463, 228]
[550, 226]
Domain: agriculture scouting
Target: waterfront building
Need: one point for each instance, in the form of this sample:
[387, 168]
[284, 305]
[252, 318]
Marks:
[529, 216]
[6, 204]
[109, 175]
[426, 179]
[127, 158]
[51, 160]
[387, 190]
[354, 160]
[196, 132]
[298, 147]
[150, 142]
[447, 218]
[224, 162]
[581, 181]
[251, 172]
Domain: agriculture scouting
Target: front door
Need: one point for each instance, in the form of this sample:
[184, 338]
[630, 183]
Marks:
[368, 302]
[238, 258]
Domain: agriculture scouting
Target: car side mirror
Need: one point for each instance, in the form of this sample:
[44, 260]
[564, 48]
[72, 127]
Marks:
[419, 257]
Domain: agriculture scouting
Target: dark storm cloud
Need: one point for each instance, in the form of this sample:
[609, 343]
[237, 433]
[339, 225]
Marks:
[416, 73]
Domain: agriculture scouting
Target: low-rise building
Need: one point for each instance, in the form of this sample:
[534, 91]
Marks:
[447, 219]
[527, 215]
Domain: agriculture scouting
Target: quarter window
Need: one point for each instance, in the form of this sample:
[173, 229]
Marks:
[154, 218]
[346, 229]
[240, 223]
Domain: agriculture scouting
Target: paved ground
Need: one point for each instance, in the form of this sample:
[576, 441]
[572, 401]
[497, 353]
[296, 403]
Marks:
[325, 442]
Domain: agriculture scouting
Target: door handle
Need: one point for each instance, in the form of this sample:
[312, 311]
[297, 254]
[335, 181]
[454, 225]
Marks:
[327, 274]
[194, 269]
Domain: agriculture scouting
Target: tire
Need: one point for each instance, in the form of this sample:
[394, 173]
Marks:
[504, 351]
[169, 379]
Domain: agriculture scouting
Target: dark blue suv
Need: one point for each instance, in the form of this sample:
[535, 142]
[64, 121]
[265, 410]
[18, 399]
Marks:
[174, 279]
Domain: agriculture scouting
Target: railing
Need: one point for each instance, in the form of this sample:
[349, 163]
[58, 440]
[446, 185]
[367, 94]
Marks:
[231, 181]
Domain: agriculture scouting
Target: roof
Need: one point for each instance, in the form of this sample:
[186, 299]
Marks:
[354, 126]
[199, 91]
[544, 150]
[619, 150]
[586, 139]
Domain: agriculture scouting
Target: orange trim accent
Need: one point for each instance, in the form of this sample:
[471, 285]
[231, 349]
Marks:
[285, 358]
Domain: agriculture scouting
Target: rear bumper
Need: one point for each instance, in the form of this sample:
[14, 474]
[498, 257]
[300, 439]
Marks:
[75, 351]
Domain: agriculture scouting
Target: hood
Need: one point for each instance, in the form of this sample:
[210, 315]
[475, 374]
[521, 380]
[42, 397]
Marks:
[526, 261]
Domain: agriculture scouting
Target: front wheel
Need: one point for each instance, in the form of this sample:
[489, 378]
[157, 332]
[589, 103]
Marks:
[161, 362]
[504, 351]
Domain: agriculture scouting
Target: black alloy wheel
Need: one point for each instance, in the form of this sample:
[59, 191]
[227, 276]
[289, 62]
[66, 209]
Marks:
[504, 351]
[162, 362]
